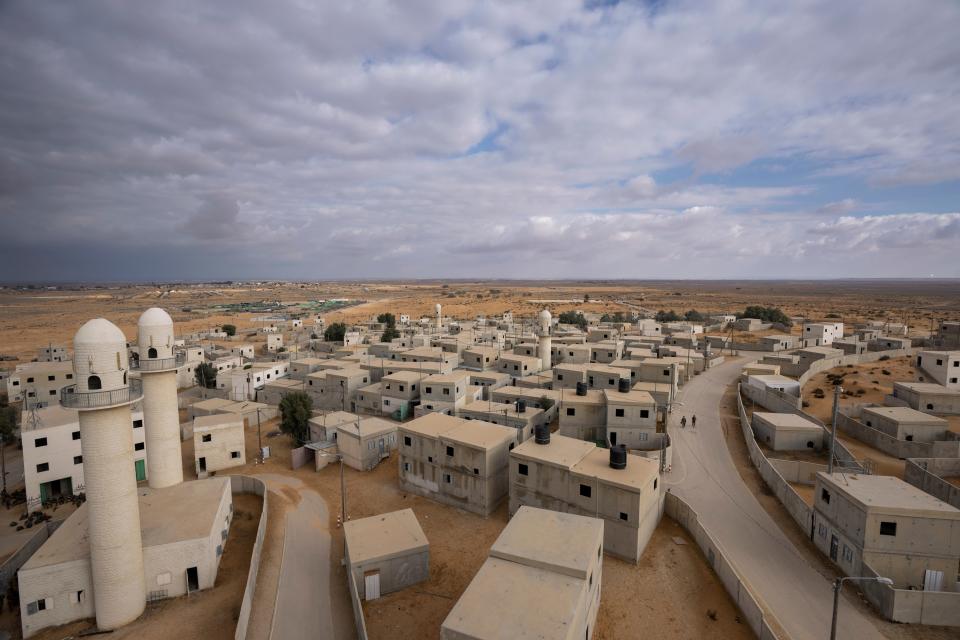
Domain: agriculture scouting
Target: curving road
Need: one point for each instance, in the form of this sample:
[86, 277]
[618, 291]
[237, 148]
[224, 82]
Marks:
[705, 477]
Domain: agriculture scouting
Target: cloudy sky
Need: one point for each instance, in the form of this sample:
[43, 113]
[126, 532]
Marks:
[547, 138]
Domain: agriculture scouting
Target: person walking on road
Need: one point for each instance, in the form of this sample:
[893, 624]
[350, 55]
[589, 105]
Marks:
[693, 422]
[683, 422]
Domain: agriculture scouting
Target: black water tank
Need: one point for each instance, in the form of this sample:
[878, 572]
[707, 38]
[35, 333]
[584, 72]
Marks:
[581, 388]
[618, 456]
[521, 406]
[624, 385]
[541, 434]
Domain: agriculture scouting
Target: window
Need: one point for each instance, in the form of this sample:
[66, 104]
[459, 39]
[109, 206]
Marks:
[586, 490]
[40, 442]
[93, 383]
[847, 554]
[138, 424]
[447, 478]
[76, 435]
[428, 389]
[623, 516]
[69, 376]
[235, 455]
[644, 413]
[476, 471]
[449, 451]
[429, 458]
[610, 382]
[53, 392]
[29, 380]
[571, 411]
[77, 597]
[138, 446]
[523, 469]
[643, 436]
[822, 531]
[619, 413]
[51, 378]
[77, 459]
[406, 466]
[407, 442]
[36, 606]
[654, 483]
[559, 376]
[888, 528]
[43, 466]
[206, 437]
[825, 495]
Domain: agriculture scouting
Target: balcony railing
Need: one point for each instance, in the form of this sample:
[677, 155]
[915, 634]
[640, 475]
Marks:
[158, 364]
[73, 399]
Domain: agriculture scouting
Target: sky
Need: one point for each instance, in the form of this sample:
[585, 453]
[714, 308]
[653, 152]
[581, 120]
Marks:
[303, 139]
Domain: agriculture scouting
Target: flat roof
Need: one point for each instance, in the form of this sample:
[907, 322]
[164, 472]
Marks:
[334, 418]
[787, 421]
[288, 383]
[51, 416]
[928, 388]
[561, 451]
[308, 361]
[768, 378]
[212, 403]
[216, 421]
[639, 472]
[881, 493]
[527, 392]
[506, 600]
[384, 536]
[634, 396]
[905, 415]
[829, 351]
[500, 409]
[593, 396]
[440, 378]
[243, 406]
[948, 354]
[480, 434]
[32, 367]
[182, 512]
[403, 376]
[369, 427]
[562, 542]
[432, 424]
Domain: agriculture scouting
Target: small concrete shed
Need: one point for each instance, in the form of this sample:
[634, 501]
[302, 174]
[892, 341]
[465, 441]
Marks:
[386, 553]
[787, 431]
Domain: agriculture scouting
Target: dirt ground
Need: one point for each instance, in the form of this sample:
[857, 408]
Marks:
[766, 498]
[32, 318]
[862, 384]
[209, 614]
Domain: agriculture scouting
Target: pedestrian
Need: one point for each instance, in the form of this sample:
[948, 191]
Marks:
[683, 422]
[693, 422]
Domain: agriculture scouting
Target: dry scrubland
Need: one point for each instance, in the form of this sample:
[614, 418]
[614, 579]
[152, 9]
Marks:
[32, 318]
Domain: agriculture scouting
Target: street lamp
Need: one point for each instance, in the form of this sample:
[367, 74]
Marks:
[838, 586]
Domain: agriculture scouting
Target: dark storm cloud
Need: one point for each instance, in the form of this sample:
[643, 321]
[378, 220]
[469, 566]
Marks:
[419, 138]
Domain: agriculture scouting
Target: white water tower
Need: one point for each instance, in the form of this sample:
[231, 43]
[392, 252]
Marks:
[439, 317]
[545, 342]
[103, 395]
[158, 370]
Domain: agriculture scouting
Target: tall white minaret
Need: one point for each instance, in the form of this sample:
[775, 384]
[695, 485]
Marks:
[439, 318]
[158, 370]
[545, 342]
[103, 396]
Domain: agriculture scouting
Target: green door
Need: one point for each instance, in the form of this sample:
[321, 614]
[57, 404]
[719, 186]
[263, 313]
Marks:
[141, 467]
[44, 491]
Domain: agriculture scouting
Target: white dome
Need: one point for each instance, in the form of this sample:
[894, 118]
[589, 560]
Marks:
[437, 307]
[545, 316]
[99, 331]
[155, 317]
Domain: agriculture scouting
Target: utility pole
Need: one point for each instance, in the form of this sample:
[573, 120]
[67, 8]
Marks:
[259, 441]
[837, 390]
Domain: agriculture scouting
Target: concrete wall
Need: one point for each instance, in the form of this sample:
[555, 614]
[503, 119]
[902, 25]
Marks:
[17, 559]
[357, 607]
[798, 509]
[891, 446]
[804, 374]
[755, 613]
[939, 608]
[247, 484]
[928, 474]
[798, 471]
[771, 399]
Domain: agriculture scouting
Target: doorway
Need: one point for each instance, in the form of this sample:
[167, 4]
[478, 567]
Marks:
[834, 544]
[193, 579]
[140, 467]
[202, 464]
[613, 438]
[371, 585]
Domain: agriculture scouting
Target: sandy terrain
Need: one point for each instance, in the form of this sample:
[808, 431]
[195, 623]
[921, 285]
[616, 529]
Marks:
[862, 384]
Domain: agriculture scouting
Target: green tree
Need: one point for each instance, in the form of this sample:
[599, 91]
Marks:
[296, 408]
[8, 424]
[766, 314]
[206, 375]
[574, 318]
[229, 329]
[389, 335]
[694, 316]
[586, 297]
[335, 332]
[667, 316]
[388, 319]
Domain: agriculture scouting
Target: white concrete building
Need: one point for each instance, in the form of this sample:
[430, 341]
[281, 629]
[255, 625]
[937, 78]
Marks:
[942, 366]
[218, 443]
[52, 456]
[38, 384]
[821, 334]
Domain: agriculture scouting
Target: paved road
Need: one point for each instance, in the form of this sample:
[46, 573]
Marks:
[303, 608]
[705, 477]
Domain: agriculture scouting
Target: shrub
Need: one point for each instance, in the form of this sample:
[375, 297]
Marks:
[883, 358]
[335, 332]
[766, 314]
[229, 329]
[389, 335]
[296, 409]
[885, 372]
[206, 375]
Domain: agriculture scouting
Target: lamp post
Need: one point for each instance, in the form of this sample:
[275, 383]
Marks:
[838, 586]
[837, 390]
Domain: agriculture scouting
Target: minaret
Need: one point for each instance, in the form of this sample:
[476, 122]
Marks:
[103, 396]
[158, 370]
[439, 318]
[545, 343]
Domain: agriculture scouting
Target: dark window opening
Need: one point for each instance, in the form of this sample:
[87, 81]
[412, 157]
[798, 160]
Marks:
[623, 516]
[825, 495]
[586, 490]
[523, 470]
[93, 383]
[888, 528]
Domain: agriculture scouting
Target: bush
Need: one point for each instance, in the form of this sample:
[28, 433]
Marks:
[389, 335]
[206, 375]
[546, 403]
[335, 332]
[574, 318]
[229, 329]
[388, 319]
[884, 357]
[667, 316]
[296, 408]
[694, 316]
[281, 349]
[885, 372]
[766, 314]
[314, 336]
